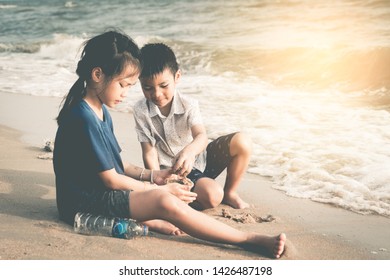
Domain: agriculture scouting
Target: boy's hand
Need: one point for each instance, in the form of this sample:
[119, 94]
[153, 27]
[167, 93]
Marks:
[184, 162]
[182, 192]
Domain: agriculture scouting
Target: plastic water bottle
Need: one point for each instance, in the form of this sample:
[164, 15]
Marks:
[89, 224]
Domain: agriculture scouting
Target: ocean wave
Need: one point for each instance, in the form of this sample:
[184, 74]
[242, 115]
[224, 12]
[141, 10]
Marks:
[311, 68]
[60, 45]
[20, 47]
[7, 6]
[70, 4]
[55, 44]
[364, 73]
[350, 69]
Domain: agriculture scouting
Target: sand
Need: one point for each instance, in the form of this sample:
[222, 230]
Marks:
[30, 228]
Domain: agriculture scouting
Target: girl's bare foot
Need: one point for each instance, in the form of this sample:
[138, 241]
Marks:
[277, 248]
[274, 245]
[235, 201]
[163, 227]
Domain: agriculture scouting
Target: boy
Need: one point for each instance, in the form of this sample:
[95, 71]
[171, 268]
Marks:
[172, 135]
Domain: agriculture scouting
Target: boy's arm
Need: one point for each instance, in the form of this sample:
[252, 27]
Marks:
[150, 156]
[143, 128]
[186, 158]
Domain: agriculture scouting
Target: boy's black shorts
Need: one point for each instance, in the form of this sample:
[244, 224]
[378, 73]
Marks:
[218, 158]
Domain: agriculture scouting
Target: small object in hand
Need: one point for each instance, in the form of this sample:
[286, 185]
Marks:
[174, 178]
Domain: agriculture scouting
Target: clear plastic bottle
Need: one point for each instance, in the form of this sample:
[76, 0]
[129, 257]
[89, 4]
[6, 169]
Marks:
[88, 224]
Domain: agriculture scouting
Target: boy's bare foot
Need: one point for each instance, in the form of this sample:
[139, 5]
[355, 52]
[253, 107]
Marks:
[163, 227]
[235, 201]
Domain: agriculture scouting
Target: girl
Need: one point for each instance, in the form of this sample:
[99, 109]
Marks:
[90, 174]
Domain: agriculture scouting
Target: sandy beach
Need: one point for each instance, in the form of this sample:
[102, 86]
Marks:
[30, 228]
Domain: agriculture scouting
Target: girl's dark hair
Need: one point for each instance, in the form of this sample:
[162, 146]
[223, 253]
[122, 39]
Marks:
[112, 52]
[156, 57]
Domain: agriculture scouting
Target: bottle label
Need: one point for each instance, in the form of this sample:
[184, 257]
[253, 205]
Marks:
[120, 228]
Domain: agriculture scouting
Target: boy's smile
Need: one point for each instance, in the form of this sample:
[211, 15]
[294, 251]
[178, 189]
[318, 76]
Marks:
[160, 89]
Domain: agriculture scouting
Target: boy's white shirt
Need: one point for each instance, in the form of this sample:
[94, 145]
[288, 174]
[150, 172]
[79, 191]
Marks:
[169, 135]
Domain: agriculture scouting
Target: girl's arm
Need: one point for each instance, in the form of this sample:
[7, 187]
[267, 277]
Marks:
[143, 174]
[116, 181]
[186, 158]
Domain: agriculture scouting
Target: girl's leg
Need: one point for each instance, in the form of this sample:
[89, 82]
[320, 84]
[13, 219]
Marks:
[164, 227]
[240, 152]
[159, 204]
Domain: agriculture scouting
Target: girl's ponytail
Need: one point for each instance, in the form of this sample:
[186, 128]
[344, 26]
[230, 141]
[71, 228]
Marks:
[76, 93]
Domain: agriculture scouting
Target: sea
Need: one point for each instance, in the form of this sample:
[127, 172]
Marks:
[308, 81]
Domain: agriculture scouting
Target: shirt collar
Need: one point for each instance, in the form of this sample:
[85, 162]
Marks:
[177, 107]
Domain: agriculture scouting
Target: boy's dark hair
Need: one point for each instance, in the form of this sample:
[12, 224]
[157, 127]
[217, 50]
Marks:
[156, 58]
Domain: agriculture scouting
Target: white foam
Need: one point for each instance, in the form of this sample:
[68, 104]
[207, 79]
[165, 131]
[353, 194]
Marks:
[48, 72]
[7, 6]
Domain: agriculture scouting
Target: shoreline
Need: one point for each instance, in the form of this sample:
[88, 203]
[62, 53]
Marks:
[31, 229]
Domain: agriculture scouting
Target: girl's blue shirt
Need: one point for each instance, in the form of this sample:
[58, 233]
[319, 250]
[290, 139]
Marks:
[84, 146]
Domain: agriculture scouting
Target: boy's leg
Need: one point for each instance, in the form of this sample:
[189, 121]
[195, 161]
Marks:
[209, 192]
[240, 150]
[233, 152]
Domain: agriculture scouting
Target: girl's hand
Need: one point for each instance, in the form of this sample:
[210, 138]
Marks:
[181, 191]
